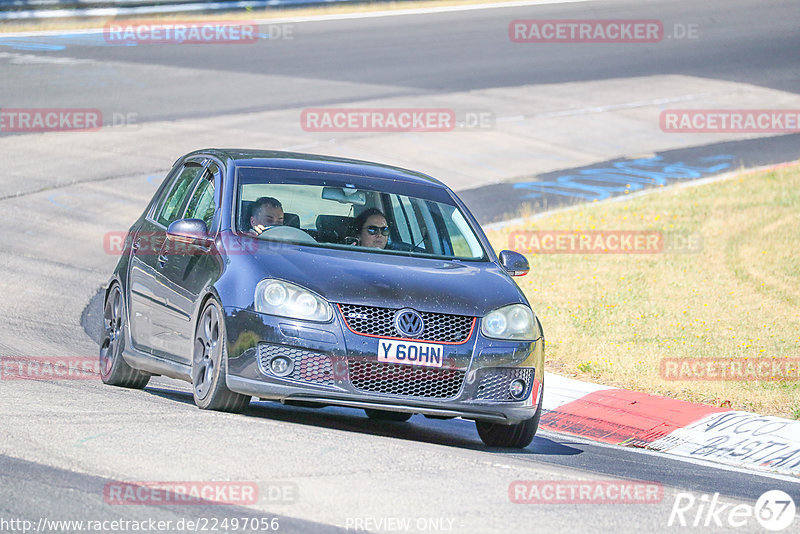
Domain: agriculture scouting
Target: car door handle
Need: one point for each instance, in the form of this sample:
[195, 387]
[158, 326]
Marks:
[162, 260]
[136, 244]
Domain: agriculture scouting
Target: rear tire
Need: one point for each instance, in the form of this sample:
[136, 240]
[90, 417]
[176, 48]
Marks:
[209, 360]
[114, 370]
[516, 436]
[383, 415]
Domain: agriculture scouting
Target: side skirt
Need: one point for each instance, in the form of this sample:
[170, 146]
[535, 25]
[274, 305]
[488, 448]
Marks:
[156, 365]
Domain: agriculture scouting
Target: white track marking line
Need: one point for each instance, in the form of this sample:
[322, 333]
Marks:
[696, 461]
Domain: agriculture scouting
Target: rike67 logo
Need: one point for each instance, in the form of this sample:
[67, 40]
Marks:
[774, 511]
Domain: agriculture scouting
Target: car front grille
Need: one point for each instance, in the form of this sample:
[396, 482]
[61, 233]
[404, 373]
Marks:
[313, 367]
[439, 327]
[405, 380]
[494, 382]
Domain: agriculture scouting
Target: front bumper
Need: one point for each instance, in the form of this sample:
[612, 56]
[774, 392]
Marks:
[333, 365]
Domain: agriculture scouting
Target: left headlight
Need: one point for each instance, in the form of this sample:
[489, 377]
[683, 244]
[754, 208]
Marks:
[277, 297]
[515, 322]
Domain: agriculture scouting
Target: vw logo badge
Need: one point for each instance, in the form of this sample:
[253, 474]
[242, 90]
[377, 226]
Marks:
[408, 323]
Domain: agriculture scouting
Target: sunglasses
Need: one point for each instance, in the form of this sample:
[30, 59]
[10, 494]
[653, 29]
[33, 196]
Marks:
[374, 230]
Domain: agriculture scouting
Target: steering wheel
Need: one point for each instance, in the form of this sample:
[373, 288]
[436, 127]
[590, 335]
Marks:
[286, 233]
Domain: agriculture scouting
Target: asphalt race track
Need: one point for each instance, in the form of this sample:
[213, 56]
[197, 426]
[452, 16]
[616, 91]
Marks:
[553, 112]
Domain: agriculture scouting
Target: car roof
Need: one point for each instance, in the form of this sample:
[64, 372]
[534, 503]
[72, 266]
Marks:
[320, 163]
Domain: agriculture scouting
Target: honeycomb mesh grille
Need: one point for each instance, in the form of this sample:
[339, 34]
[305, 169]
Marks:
[308, 366]
[494, 383]
[439, 327]
[405, 380]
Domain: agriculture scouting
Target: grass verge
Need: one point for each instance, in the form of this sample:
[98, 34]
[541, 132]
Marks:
[617, 318]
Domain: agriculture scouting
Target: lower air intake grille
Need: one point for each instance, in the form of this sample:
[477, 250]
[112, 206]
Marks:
[309, 366]
[494, 383]
[405, 380]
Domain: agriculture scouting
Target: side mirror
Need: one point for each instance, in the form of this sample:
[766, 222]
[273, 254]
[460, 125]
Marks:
[514, 262]
[190, 231]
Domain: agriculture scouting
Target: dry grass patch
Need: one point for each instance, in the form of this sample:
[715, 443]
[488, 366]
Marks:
[613, 318]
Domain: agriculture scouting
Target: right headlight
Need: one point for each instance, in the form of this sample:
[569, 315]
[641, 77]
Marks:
[515, 322]
[277, 297]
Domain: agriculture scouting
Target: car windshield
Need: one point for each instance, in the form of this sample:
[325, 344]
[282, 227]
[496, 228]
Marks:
[330, 210]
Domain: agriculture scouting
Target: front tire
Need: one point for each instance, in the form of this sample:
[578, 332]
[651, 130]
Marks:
[114, 370]
[516, 436]
[209, 360]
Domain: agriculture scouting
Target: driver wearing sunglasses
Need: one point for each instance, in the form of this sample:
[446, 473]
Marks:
[373, 229]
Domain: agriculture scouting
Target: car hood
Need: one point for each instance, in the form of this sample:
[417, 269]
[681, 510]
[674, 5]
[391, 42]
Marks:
[388, 280]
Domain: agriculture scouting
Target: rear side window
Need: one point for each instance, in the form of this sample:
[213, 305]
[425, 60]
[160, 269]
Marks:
[406, 219]
[170, 208]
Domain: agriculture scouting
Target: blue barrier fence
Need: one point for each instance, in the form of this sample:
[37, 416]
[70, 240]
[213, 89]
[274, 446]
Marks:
[20, 10]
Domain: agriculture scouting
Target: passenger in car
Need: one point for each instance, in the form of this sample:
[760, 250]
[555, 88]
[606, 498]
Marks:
[267, 211]
[372, 230]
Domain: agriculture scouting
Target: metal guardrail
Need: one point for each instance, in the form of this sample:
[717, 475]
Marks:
[21, 10]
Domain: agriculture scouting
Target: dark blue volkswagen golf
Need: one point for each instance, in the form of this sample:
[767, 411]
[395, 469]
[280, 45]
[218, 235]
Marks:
[324, 281]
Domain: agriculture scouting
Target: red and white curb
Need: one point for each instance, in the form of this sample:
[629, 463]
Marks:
[622, 417]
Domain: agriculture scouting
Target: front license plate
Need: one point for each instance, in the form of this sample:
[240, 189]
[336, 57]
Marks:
[410, 353]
